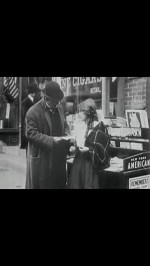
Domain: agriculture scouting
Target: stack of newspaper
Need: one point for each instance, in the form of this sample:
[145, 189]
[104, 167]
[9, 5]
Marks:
[116, 165]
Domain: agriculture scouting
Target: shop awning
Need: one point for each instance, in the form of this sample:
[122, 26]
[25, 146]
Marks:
[114, 79]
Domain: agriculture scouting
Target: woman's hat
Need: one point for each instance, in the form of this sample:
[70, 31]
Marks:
[89, 107]
[52, 90]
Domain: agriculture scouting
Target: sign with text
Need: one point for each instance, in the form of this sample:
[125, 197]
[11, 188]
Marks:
[136, 162]
[141, 182]
[66, 86]
[87, 86]
[137, 118]
[124, 132]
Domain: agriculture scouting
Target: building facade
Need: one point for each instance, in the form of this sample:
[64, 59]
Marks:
[113, 96]
[124, 93]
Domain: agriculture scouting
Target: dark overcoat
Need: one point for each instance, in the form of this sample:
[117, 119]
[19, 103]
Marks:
[41, 150]
[85, 172]
[26, 105]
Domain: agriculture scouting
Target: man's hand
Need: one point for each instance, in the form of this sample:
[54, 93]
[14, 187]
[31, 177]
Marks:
[57, 140]
[71, 140]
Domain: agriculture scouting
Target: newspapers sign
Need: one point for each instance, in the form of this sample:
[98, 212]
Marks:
[136, 162]
[141, 182]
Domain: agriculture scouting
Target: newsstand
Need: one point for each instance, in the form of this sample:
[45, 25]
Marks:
[130, 162]
[134, 173]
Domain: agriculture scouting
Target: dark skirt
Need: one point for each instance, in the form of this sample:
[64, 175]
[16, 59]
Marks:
[83, 175]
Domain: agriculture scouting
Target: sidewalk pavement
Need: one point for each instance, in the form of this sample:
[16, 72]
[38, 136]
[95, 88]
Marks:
[12, 167]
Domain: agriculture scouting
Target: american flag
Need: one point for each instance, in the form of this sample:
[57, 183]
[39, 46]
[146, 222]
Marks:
[11, 87]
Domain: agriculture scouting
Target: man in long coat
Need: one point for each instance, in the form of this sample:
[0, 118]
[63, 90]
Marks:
[47, 150]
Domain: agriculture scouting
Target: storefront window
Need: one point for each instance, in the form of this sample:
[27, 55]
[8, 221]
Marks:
[77, 89]
[9, 105]
[9, 111]
[113, 97]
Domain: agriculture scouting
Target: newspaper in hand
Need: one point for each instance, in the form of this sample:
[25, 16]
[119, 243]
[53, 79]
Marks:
[80, 132]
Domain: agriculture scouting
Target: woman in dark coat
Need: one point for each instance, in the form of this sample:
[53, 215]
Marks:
[92, 153]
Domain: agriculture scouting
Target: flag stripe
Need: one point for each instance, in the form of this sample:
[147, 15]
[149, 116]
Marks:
[10, 87]
[13, 88]
[15, 93]
[11, 83]
[5, 81]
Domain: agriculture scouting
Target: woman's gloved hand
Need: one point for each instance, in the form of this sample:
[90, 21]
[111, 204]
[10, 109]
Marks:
[72, 150]
[83, 149]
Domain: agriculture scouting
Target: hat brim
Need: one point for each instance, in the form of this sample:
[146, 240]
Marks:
[58, 99]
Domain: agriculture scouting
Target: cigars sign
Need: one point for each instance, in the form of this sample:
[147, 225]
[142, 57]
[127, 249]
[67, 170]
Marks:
[137, 162]
[86, 86]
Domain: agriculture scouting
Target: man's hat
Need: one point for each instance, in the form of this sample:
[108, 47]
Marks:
[52, 90]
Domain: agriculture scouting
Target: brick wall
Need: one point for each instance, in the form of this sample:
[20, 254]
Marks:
[0, 85]
[2, 103]
[135, 93]
[148, 96]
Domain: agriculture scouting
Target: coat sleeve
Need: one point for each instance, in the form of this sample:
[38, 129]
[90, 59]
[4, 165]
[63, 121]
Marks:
[33, 135]
[99, 150]
[66, 130]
